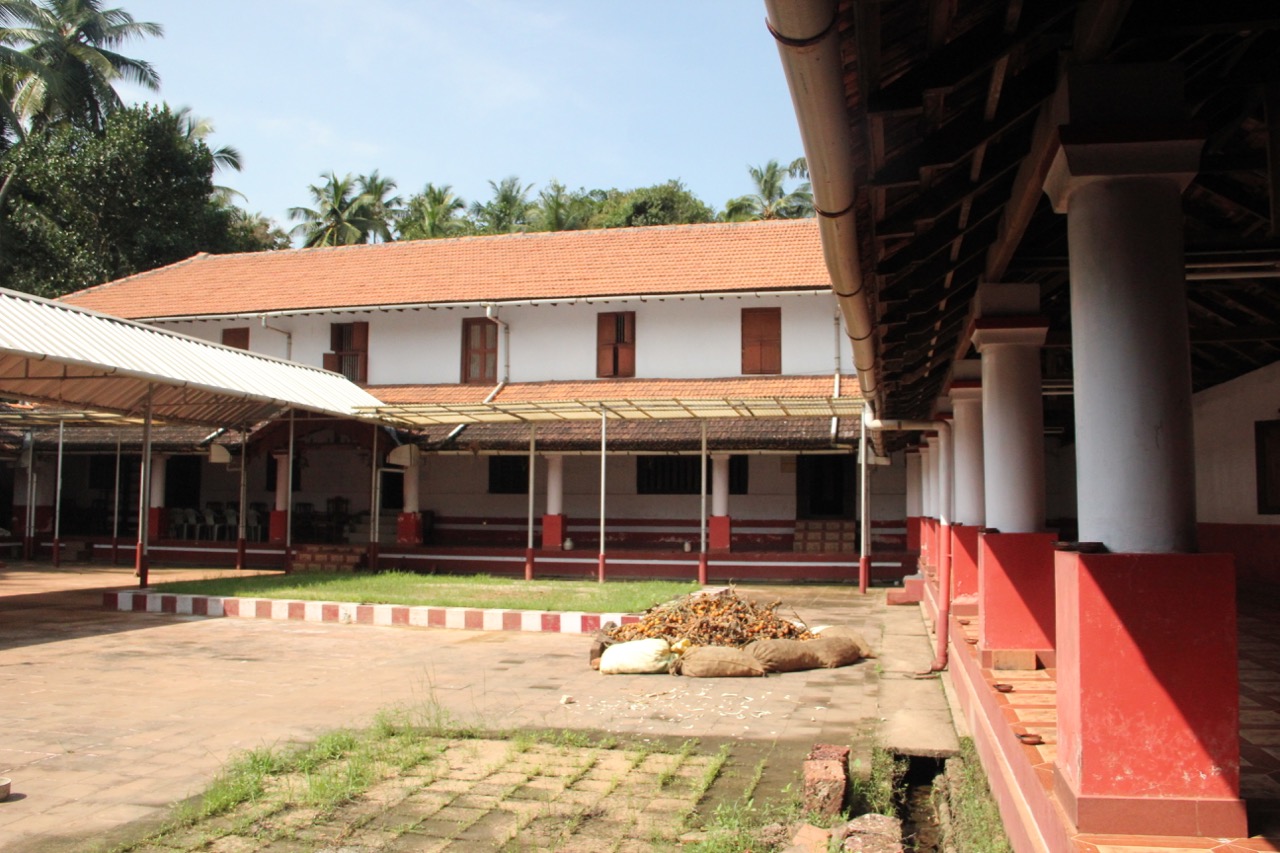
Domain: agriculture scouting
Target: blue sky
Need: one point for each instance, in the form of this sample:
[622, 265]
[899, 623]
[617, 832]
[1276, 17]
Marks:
[594, 94]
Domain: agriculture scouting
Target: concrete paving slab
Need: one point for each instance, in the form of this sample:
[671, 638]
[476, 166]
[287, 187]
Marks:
[112, 715]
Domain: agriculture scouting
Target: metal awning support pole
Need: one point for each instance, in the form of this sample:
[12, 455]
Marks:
[29, 526]
[702, 521]
[604, 431]
[57, 500]
[375, 508]
[140, 567]
[864, 506]
[288, 501]
[528, 545]
[115, 509]
[244, 496]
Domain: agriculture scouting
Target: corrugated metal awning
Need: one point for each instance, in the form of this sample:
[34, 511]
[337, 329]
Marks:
[69, 357]
[423, 414]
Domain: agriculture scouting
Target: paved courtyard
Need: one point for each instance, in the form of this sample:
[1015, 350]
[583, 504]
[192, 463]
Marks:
[110, 717]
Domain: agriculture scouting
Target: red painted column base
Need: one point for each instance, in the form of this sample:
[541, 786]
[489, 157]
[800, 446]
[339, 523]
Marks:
[241, 552]
[57, 553]
[913, 532]
[702, 568]
[373, 556]
[553, 530]
[156, 528]
[277, 524]
[528, 564]
[140, 567]
[600, 569]
[1148, 708]
[409, 528]
[1016, 600]
[964, 559]
[719, 533]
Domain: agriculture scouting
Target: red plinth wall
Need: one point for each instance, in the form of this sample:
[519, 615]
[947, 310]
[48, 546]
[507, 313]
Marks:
[156, 528]
[553, 528]
[277, 523]
[1016, 599]
[719, 533]
[964, 559]
[409, 528]
[1148, 710]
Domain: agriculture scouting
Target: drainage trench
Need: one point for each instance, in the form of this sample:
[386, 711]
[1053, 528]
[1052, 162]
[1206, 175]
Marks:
[921, 831]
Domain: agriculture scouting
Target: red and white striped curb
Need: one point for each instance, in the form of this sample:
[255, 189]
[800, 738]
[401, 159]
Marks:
[471, 618]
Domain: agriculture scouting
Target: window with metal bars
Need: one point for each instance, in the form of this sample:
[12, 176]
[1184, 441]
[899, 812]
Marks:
[349, 351]
[678, 475]
[1267, 446]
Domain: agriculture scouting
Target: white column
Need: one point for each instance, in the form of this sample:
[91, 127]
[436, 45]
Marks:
[1130, 351]
[944, 463]
[555, 485]
[159, 462]
[282, 481]
[412, 475]
[1012, 426]
[926, 480]
[970, 508]
[915, 506]
[719, 484]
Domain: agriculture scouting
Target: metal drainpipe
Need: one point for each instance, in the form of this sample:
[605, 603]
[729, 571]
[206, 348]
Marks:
[809, 46]
[288, 337]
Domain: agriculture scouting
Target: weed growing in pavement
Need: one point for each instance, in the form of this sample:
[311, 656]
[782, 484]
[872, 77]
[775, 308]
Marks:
[879, 791]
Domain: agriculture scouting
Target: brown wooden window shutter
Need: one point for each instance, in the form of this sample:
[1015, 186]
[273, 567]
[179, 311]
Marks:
[761, 340]
[616, 344]
[479, 350]
[237, 337]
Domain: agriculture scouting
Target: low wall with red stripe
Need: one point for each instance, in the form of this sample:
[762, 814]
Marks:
[388, 615]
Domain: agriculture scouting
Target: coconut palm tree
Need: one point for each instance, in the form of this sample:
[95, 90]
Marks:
[198, 129]
[772, 200]
[432, 213]
[342, 216]
[383, 206]
[558, 209]
[507, 211]
[74, 43]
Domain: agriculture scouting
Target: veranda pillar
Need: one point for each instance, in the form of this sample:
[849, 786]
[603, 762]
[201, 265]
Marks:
[915, 506]
[409, 522]
[554, 523]
[1148, 731]
[279, 521]
[927, 526]
[156, 524]
[719, 527]
[1015, 556]
[969, 507]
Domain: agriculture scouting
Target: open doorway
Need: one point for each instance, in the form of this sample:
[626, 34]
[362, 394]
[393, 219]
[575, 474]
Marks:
[825, 487]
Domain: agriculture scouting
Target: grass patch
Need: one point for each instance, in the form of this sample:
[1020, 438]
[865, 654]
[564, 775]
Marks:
[975, 823]
[443, 591]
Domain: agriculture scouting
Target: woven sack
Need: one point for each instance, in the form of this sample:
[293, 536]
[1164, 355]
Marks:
[835, 651]
[716, 662]
[638, 657]
[784, 655]
[845, 631]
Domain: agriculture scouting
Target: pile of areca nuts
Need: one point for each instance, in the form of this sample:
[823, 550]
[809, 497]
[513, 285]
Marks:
[721, 634]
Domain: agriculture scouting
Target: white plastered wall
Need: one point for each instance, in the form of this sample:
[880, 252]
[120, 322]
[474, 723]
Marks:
[1226, 472]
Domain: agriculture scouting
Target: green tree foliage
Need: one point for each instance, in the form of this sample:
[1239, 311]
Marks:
[86, 207]
[383, 206]
[508, 211]
[772, 200]
[69, 61]
[560, 209]
[662, 204]
[434, 212]
[342, 215]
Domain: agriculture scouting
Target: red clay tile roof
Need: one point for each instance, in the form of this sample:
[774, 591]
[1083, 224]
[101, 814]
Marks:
[735, 387]
[719, 257]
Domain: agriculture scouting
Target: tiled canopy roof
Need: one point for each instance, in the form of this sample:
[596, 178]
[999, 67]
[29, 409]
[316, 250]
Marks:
[721, 257]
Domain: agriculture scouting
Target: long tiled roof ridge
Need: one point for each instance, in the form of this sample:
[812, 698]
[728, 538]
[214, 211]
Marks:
[777, 255]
